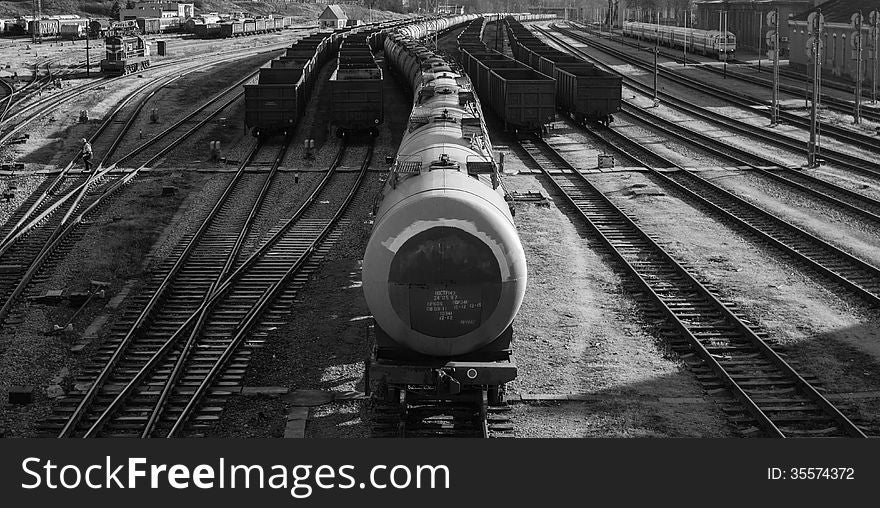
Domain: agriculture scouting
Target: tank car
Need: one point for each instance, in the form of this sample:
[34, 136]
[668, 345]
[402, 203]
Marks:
[444, 272]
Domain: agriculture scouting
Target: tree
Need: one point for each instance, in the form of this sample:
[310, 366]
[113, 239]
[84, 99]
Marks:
[114, 11]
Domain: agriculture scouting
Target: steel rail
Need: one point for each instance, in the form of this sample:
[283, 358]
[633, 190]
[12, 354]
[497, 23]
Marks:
[846, 261]
[43, 105]
[34, 268]
[839, 104]
[154, 301]
[761, 417]
[20, 228]
[845, 135]
[845, 160]
[218, 292]
[166, 284]
[267, 296]
[869, 208]
[706, 143]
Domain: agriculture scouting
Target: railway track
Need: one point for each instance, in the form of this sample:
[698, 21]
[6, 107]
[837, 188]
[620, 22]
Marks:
[47, 225]
[853, 202]
[6, 99]
[15, 97]
[834, 102]
[836, 195]
[770, 394]
[853, 275]
[828, 154]
[51, 199]
[167, 369]
[413, 416]
[16, 122]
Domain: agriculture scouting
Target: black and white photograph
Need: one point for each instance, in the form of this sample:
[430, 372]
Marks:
[290, 220]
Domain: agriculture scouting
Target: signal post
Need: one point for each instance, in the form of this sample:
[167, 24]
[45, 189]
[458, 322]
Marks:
[773, 54]
[856, 40]
[815, 46]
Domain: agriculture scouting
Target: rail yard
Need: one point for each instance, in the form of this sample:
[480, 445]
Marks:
[470, 225]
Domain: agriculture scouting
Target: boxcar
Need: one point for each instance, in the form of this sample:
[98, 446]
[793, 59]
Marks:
[484, 70]
[583, 91]
[45, 27]
[271, 108]
[356, 94]
[206, 30]
[523, 98]
[586, 92]
[149, 25]
[230, 29]
[73, 31]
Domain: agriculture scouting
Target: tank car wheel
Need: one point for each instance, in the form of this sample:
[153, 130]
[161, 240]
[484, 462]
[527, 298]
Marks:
[496, 395]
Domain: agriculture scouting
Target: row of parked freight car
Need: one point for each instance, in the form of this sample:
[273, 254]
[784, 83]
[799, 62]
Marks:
[275, 104]
[238, 28]
[72, 27]
[63, 26]
[523, 98]
[583, 91]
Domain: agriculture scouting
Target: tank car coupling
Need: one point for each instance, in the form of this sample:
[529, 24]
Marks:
[446, 384]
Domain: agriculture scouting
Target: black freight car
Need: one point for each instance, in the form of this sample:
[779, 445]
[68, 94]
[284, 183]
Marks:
[275, 103]
[356, 89]
[275, 107]
[523, 98]
[583, 91]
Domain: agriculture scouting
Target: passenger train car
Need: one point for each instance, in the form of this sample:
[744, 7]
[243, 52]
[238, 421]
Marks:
[444, 272]
[707, 42]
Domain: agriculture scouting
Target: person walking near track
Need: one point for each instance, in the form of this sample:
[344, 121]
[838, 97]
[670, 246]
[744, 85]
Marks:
[87, 154]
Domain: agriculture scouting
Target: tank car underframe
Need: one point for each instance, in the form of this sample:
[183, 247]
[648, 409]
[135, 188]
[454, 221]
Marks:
[394, 369]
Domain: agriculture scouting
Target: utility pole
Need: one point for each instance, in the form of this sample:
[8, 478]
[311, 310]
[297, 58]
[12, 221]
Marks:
[724, 46]
[815, 25]
[88, 38]
[873, 19]
[857, 42]
[37, 32]
[610, 15]
[656, 52]
[685, 45]
[760, 39]
[773, 52]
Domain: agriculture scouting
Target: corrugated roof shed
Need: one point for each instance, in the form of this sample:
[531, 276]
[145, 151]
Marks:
[840, 11]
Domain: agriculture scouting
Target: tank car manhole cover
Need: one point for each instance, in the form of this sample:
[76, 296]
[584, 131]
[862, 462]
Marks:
[309, 398]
